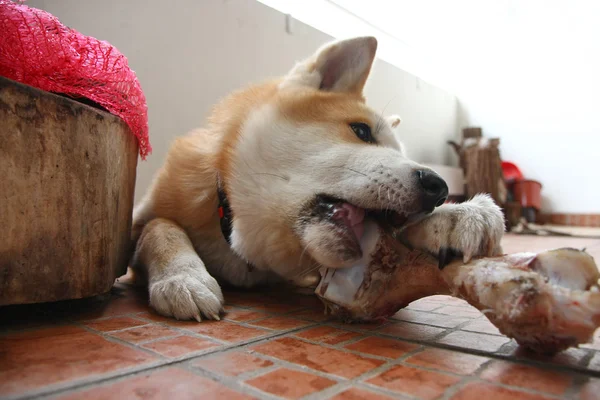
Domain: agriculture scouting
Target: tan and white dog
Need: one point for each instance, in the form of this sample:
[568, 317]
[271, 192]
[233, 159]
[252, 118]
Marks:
[303, 164]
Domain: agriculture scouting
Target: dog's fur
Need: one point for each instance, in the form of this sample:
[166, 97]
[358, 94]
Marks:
[277, 147]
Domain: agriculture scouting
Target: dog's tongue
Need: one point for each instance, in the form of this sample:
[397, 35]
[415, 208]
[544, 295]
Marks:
[352, 216]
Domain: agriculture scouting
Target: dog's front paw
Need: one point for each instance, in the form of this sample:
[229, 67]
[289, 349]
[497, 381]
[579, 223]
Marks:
[188, 294]
[476, 230]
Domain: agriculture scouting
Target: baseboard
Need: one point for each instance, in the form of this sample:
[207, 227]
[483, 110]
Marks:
[587, 220]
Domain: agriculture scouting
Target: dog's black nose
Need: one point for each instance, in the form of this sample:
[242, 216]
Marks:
[435, 189]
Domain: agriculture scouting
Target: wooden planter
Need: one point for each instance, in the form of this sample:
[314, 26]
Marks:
[67, 178]
[480, 160]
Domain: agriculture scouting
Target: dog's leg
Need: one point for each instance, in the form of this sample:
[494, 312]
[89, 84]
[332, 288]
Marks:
[178, 282]
[473, 228]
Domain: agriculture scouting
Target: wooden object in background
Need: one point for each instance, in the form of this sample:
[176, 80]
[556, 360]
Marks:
[483, 169]
[66, 196]
[472, 133]
[480, 160]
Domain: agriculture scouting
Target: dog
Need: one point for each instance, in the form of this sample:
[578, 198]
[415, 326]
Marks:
[280, 184]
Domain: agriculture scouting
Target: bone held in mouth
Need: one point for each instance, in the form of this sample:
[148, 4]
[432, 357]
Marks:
[547, 302]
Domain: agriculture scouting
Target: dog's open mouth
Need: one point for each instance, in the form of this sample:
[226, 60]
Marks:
[351, 218]
[334, 231]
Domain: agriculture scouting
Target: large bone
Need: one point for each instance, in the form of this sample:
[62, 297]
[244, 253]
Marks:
[547, 302]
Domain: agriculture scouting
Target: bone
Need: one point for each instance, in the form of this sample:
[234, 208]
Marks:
[547, 302]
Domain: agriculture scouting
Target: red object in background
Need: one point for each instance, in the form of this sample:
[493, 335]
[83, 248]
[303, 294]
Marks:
[528, 193]
[37, 50]
[511, 172]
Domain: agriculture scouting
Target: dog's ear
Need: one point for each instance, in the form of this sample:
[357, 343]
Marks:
[341, 66]
[394, 121]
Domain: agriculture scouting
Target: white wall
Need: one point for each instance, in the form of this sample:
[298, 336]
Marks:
[189, 53]
[526, 71]
[534, 82]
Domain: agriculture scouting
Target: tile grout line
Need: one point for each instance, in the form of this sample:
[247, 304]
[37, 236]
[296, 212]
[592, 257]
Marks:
[271, 334]
[111, 339]
[496, 355]
[232, 382]
[84, 382]
[580, 367]
[475, 377]
[359, 381]
[242, 381]
[576, 384]
[80, 384]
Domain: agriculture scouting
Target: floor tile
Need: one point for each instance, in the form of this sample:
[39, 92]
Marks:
[170, 383]
[446, 300]
[595, 342]
[521, 243]
[145, 333]
[114, 324]
[594, 363]
[479, 391]
[428, 318]
[408, 330]
[151, 315]
[446, 360]
[414, 381]
[44, 352]
[242, 315]
[360, 394]
[377, 346]
[123, 299]
[32, 360]
[460, 311]
[311, 315]
[423, 305]
[476, 341]
[590, 390]
[290, 384]
[322, 359]
[529, 377]
[232, 363]
[276, 308]
[365, 326]
[307, 300]
[179, 346]
[482, 325]
[327, 335]
[227, 331]
[571, 357]
[280, 323]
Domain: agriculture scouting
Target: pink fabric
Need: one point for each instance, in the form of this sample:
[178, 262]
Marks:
[37, 50]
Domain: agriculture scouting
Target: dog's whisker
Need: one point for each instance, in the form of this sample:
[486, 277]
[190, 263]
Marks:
[310, 270]
[347, 168]
[302, 254]
[355, 171]
[274, 175]
[263, 173]
[381, 119]
[307, 272]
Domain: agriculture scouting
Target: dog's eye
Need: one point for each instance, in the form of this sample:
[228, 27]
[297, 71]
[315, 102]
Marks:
[363, 132]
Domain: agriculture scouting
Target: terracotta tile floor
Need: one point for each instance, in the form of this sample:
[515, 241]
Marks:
[279, 345]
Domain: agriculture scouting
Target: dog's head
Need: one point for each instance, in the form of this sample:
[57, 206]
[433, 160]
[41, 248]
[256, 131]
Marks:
[311, 162]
